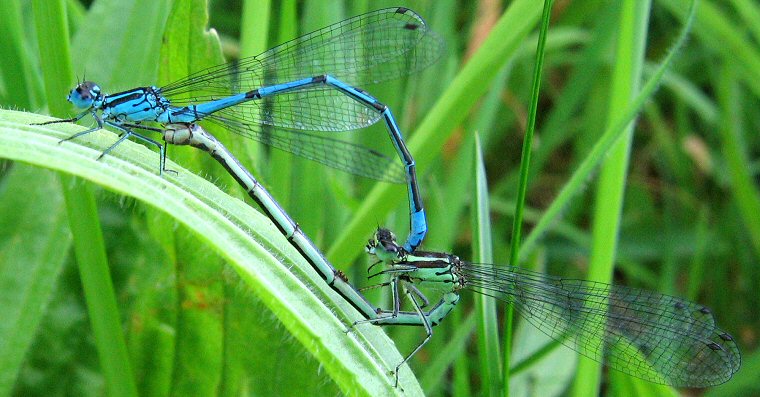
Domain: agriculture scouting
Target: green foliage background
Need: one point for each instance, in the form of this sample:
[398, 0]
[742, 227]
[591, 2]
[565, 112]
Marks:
[119, 282]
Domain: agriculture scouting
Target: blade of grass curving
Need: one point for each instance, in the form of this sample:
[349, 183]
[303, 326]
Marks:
[689, 92]
[719, 32]
[577, 181]
[358, 361]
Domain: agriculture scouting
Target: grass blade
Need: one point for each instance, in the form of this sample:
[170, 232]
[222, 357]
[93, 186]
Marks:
[485, 306]
[266, 263]
[608, 203]
[52, 33]
[35, 239]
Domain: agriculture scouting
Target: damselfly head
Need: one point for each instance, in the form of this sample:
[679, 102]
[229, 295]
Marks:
[85, 94]
[385, 237]
[384, 246]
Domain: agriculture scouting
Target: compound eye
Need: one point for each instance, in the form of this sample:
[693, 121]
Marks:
[89, 89]
[84, 95]
[83, 92]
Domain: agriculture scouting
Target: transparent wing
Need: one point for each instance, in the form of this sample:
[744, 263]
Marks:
[659, 338]
[366, 49]
[316, 108]
[341, 155]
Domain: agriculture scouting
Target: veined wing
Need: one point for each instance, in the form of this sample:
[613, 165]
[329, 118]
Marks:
[366, 49]
[345, 156]
[656, 337]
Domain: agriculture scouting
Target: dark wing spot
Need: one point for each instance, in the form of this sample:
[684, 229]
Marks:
[726, 337]
[714, 346]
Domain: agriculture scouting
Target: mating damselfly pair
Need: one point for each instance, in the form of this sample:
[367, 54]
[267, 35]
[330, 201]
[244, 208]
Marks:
[311, 84]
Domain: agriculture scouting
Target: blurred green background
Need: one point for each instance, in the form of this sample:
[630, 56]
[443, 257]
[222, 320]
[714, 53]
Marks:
[688, 217]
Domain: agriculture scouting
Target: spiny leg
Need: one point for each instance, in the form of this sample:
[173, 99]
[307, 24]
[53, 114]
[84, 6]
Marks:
[374, 286]
[425, 323]
[413, 293]
[75, 119]
[161, 147]
[357, 322]
[71, 120]
[416, 291]
[396, 305]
